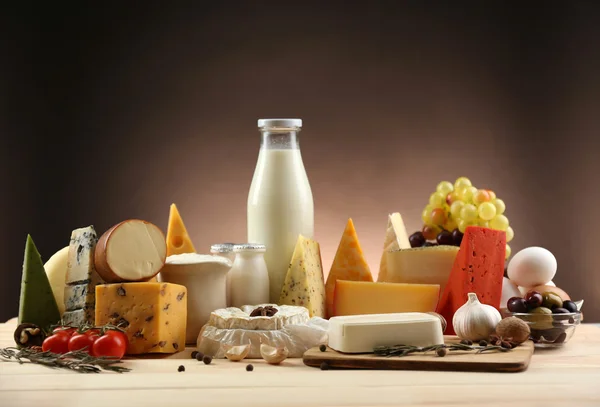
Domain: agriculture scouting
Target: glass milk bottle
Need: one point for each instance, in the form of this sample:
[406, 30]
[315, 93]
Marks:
[280, 202]
[249, 284]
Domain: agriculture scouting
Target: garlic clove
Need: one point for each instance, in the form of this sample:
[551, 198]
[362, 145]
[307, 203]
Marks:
[273, 355]
[236, 353]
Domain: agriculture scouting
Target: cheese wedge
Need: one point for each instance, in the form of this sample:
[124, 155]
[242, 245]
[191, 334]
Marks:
[304, 284]
[37, 304]
[361, 297]
[420, 265]
[395, 238]
[56, 270]
[178, 239]
[348, 264]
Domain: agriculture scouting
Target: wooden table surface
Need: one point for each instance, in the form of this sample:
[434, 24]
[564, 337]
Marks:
[569, 376]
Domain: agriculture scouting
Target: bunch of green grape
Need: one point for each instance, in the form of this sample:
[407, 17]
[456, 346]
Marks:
[459, 205]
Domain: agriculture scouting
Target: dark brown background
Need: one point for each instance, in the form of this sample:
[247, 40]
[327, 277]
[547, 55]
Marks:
[115, 112]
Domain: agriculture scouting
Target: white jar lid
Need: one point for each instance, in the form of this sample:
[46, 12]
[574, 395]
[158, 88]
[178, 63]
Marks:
[222, 248]
[249, 247]
[279, 122]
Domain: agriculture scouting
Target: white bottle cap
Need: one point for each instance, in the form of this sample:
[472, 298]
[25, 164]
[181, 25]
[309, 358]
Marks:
[279, 122]
[249, 247]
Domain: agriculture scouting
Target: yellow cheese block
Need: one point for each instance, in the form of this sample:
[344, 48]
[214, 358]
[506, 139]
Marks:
[304, 284]
[395, 238]
[422, 265]
[178, 240]
[360, 297]
[152, 314]
[348, 264]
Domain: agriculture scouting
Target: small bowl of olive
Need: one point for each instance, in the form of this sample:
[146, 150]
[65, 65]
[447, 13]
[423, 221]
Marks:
[552, 321]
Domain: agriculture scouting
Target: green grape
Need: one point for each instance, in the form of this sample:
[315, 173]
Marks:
[445, 188]
[487, 211]
[437, 200]
[426, 215]
[468, 194]
[468, 213]
[450, 224]
[510, 233]
[452, 197]
[491, 193]
[462, 182]
[455, 209]
[481, 196]
[500, 206]
[438, 216]
[500, 222]
[508, 251]
[463, 224]
[484, 223]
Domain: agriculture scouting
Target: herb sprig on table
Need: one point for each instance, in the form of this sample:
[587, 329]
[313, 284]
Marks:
[441, 350]
[79, 361]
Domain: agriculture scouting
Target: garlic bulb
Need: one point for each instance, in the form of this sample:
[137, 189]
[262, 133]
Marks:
[474, 320]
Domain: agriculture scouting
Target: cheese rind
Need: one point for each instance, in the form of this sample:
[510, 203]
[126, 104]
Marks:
[478, 268]
[422, 265]
[153, 315]
[363, 333]
[81, 278]
[178, 239]
[395, 238]
[239, 318]
[36, 304]
[348, 264]
[304, 284]
[360, 297]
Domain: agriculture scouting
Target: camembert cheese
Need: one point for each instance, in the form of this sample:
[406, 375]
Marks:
[348, 264]
[395, 238]
[422, 265]
[361, 297]
[239, 318]
[178, 239]
[304, 284]
[362, 333]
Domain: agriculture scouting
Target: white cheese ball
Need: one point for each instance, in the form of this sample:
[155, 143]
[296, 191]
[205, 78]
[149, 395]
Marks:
[532, 266]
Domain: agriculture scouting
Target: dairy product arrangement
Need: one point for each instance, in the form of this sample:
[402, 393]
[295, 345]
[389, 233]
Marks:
[450, 286]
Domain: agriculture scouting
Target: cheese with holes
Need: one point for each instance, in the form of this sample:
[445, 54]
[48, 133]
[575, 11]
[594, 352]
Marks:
[361, 297]
[81, 278]
[348, 264]
[420, 265]
[395, 238]
[239, 318]
[36, 304]
[363, 333]
[304, 284]
[478, 268]
[178, 239]
[152, 314]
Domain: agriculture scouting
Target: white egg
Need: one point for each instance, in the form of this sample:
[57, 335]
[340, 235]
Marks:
[509, 290]
[532, 266]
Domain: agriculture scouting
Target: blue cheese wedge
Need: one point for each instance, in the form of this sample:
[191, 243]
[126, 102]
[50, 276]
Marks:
[81, 278]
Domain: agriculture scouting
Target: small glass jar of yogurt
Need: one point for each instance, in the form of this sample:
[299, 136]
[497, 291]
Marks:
[225, 250]
[249, 278]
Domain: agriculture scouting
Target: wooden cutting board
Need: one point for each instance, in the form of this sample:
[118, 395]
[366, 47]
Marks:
[516, 360]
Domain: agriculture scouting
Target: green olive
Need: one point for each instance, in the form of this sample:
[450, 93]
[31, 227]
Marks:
[541, 318]
[551, 300]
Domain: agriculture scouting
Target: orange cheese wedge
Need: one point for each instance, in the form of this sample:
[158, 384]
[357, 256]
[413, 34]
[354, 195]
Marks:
[349, 264]
[178, 240]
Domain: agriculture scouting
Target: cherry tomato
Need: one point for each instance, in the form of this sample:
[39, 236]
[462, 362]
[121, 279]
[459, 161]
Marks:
[111, 344]
[57, 343]
[92, 331]
[64, 331]
[82, 342]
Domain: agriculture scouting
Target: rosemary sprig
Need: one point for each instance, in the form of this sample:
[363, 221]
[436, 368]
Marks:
[404, 350]
[79, 361]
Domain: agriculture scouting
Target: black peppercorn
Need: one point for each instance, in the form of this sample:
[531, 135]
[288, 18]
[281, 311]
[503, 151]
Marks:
[466, 342]
[483, 342]
[199, 356]
[181, 368]
[249, 368]
[324, 366]
[441, 352]
[322, 348]
[207, 359]
[194, 354]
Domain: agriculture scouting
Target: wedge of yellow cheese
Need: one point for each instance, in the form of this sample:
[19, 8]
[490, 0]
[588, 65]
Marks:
[152, 314]
[360, 297]
[348, 264]
[395, 238]
[422, 265]
[304, 284]
[178, 239]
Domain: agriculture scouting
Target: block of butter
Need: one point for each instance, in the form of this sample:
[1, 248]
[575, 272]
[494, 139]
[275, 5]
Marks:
[362, 333]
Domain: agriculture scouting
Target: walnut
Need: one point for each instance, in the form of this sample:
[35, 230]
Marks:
[267, 311]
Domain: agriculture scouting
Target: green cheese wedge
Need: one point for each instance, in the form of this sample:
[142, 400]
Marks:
[37, 304]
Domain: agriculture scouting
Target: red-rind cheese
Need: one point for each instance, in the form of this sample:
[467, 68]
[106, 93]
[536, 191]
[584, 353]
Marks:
[478, 268]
